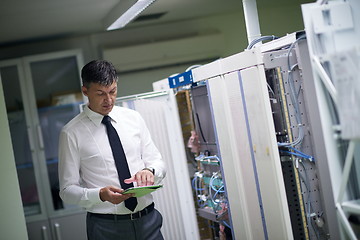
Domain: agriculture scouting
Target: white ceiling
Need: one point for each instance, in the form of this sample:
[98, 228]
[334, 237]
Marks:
[31, 20]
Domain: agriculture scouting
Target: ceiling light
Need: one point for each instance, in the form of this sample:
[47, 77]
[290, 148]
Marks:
[127, 10]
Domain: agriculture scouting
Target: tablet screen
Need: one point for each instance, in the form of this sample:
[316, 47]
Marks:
[141, 191]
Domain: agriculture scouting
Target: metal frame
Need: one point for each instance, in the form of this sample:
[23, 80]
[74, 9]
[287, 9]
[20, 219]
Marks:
[327, 39]
[218, 76]
[309, 200]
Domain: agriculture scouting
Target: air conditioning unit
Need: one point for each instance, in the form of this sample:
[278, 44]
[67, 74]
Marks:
[165, 53]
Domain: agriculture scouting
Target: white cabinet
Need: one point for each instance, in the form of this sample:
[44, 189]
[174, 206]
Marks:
[32, 86]
[61, 228]
[69, 227]
[39, 230]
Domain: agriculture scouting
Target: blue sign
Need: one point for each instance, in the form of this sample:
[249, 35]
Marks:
[181, 79]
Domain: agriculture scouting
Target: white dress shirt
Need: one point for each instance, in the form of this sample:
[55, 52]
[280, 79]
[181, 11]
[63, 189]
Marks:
[86, 163]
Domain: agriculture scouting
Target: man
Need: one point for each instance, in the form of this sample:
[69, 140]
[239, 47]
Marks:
[89, 170]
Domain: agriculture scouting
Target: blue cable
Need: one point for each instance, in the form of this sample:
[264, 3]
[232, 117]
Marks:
[298, 153]
[295, 154]
[194, 185]
[292, 153]
[218, 191]
[311, 158]
[202, 205]
[213, 187]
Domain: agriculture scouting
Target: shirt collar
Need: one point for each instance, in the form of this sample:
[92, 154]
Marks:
[95, 117]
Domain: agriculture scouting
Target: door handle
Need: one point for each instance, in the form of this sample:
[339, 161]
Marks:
[31, 143]
[57, 231]
[40, 137]
[44, 233]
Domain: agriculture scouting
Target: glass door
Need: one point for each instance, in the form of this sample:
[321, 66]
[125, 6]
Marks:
[21, 136]
[42, 94]
[55, 81]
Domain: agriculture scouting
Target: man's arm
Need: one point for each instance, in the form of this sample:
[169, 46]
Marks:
[71, 190]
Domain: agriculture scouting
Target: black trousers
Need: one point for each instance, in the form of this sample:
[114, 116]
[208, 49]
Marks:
[145, 228]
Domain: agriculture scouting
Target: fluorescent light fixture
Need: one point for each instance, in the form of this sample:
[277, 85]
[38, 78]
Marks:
[127, 10]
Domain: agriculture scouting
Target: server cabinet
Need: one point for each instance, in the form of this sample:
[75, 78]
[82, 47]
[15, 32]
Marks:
[270, 156]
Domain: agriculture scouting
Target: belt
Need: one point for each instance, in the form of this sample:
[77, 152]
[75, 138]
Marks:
[131, 216]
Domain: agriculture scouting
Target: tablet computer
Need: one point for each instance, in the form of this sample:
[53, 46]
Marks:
[141, 191]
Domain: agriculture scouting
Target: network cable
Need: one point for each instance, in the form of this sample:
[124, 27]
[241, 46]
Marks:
[294, 97]
[260, 39]
[216, 201]
[208, 159]
[199, 191]
[298, 153]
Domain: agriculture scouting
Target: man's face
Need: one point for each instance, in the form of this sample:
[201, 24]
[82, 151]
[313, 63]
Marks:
[101, 98]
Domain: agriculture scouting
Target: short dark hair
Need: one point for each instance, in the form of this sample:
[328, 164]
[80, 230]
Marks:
[98, 71]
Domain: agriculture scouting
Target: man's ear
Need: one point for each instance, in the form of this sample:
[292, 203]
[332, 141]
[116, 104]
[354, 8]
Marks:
[84, 90]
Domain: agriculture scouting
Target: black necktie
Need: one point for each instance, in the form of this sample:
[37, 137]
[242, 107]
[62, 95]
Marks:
[120, 160]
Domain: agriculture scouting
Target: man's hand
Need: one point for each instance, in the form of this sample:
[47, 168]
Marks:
[142, 178]
[113, 195]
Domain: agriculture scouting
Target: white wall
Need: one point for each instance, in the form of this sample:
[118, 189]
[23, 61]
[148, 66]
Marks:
[280, 20]
[12, 220]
